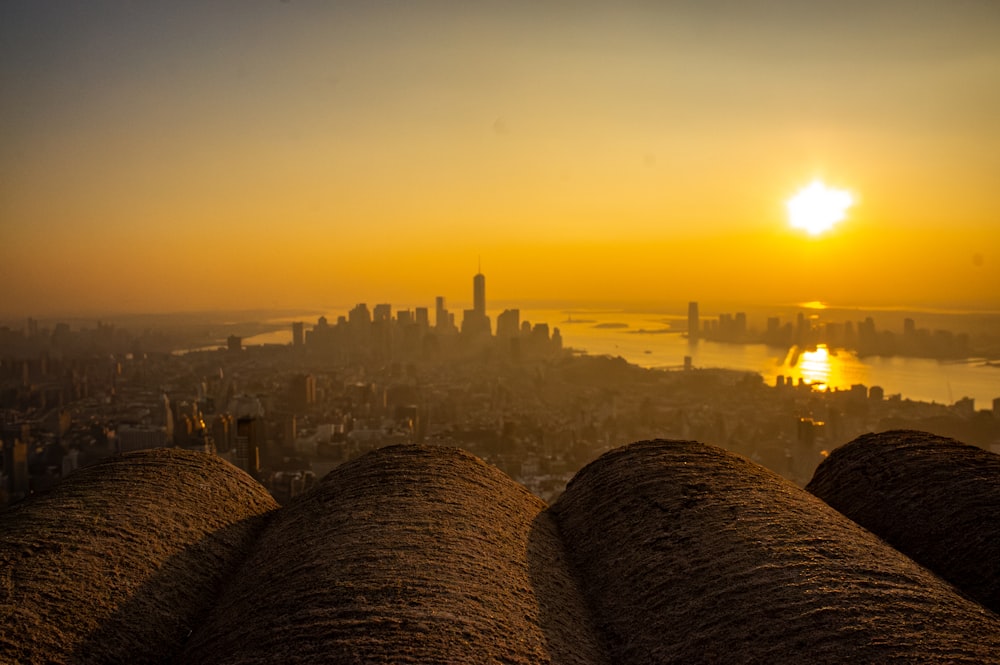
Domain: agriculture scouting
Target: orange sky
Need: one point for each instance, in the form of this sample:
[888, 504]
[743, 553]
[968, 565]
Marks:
[164, 157]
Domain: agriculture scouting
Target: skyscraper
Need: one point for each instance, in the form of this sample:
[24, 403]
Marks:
[509, 323]
[440, 313]
[474, 321]
[693, 321]
[479, 294]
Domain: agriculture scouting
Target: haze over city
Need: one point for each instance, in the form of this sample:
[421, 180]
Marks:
[525, 332]
[185, 157]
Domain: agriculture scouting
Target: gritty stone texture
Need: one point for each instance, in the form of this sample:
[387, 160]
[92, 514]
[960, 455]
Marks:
[689, 554]
[118, 562]
[658, 552]
[935, 499]
[410, 554]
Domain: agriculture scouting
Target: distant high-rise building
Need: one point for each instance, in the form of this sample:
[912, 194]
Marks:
[302, 391]
[803, 328]
[422, 317]
[741, 323]
[298, 333]
[440, 313]
[479, 294]
[234, 343]
[382, 312]
[693, 320]
[250, 436]
[475, 324]
[474, 321]
[509, 323]
[360, 317]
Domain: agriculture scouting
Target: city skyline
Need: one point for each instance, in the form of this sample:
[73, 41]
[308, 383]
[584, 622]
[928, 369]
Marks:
[288, 155]
[830, 348]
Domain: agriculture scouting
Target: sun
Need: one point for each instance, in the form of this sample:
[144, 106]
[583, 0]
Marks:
[816, 208]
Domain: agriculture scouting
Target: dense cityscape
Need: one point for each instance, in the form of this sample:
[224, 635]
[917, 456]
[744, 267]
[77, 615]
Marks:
[515, 332]
[510, 393]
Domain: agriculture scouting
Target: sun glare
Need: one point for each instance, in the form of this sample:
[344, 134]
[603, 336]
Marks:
[815, 367]
[817, 208]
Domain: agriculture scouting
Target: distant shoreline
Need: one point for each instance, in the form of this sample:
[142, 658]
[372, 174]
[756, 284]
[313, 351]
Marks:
[568, 310]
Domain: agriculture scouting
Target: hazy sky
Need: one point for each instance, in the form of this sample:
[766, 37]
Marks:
[162, 156]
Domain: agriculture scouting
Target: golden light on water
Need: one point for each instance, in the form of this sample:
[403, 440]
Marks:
[816, 208]
[825, 369]
[816, 367]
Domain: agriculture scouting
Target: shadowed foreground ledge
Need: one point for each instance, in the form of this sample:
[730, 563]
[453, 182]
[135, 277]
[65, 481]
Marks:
[658, 552]
[406, 555]
[694, 554]
[118, 562]
[933, 498]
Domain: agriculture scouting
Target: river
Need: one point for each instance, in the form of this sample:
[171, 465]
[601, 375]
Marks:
[914, 378]
[646, 339]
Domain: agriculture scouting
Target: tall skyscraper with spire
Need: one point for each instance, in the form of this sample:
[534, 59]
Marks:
[474, 321]
[479, 294]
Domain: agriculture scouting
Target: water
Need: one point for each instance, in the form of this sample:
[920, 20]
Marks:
[617, 334]
[914, 378]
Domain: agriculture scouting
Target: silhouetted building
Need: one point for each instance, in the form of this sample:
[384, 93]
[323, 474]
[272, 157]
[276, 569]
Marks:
[693, 321]
[249, 441]
[298, 333]
[303, 391]
[475, 323]
[809, 433]
[359, 317]
[234, 343]
[740, 323]
[224, 431]
[509, 323]
[250, 433]
[441, 320]
[479, 294]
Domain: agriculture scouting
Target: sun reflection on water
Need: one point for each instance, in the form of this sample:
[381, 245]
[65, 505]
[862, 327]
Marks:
[816, 367]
